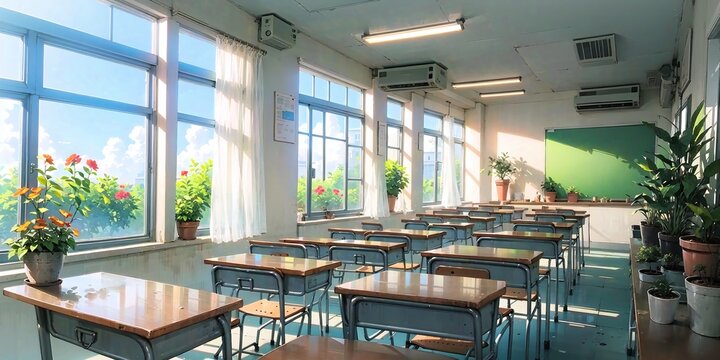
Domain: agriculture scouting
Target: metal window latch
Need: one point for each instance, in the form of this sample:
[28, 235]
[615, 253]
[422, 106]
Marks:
[85, 337]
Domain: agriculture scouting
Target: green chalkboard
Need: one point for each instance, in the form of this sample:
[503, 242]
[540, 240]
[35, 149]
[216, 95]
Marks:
[599, 161]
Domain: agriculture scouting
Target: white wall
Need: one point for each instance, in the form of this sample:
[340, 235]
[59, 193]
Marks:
[519, 129]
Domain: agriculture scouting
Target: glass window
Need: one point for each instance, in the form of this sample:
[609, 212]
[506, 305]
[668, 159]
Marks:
[196, 99]
[306, 83]
[132, 30]
[394, 130]
[355, 98]
[83, 74]
[458, 131]
[394, 111]
[432, 122]
[13, 57]
[432, 158]
[11, 118]
[195, 143]
[196, 50]
[460, 166]
[338, 93]
[321, 88]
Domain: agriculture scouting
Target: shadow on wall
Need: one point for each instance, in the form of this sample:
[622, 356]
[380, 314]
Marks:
[525, 176]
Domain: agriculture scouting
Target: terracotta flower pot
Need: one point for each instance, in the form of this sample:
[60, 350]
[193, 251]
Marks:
[695, 252]
[391, 202]
[187, 230]
[572, 197]
[550, 196]
[502, 189]
[669, 244]
[649, 234]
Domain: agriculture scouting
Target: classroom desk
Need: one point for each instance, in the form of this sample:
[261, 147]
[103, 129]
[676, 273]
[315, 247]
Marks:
[581, 220]
[463, 230]
[326, 348]
[125, 317]
[322, 245]
[519, 269]
[379, 255]
[436, 305]
[481, 222]
[358, 234]
[295, 276]
[567, 229]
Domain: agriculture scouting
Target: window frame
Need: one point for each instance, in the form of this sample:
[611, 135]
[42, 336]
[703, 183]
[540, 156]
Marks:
[397, 124]
[438, 135]
[460, 141]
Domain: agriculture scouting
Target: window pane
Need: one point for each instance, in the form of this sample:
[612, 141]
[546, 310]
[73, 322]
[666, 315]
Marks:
[13, 57]
[354, 162]
[354, 195]
[132, 30]
[394, 154]
[119, 144]
[354, 99]
[393, 136]
[459, 164]
[355, 131]
[334, 157]
[429, 161]
[458, 131]
[196, 50]
[306, 84]
[195, 143]
[196, 99]
[92, 76]
[317, 122]
[321, 88]
[334, 125]
[303, 148]
[394, 110]
[432, 122]
[303, 119]
[11, 117]
[318, 149]
[338, 93]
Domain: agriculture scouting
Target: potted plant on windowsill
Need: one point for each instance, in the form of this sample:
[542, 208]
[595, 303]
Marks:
[192, 198]
[662, 302]
[45, 238]
[327, 200]
[396, 179]
[647, 258]
[503, 169]
[703, 248]
[672, 270]
[549, 187]
[572, 194]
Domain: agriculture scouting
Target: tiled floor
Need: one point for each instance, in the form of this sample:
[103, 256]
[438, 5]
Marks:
[595, 326]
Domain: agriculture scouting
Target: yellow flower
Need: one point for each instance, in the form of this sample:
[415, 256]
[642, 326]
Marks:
[21, 191]
[76, 232]
[23, 227]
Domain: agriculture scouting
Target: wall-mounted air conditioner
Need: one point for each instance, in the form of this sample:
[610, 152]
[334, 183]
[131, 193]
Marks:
[432, 76]
[276, 32]
[608, 98]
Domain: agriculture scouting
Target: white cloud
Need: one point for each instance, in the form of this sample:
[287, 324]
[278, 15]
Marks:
[200, 146]
[10, 135]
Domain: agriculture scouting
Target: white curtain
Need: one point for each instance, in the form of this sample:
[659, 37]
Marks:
[450, 192]
[238, 194]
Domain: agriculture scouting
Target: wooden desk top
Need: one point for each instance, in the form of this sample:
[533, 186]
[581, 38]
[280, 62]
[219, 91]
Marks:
[326, 348]
[672, 341]
[568, 218]
[362, 232]
[412, 234]
[283, 264]
[383, 245]
[502, 211]
[142, 307]
[555, 211]
[557, 225]
[426, 288]
[309, 241]
[530, 235]
[526, 257]
[456, 225]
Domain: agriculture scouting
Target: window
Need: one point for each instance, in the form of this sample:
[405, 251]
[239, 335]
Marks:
[330, 146]
[459, 147]
[394, 130]
[78, 94]
[432, 157]
[682, 117]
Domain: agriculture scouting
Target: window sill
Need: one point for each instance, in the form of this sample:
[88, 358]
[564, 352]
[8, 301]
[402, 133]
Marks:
[337, 219]
[15, 271]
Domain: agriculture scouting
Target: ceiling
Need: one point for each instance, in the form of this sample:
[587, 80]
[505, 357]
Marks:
[502, 38]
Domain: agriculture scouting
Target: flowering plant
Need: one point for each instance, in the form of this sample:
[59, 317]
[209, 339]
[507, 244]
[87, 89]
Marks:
[193, 191]
[51, 230]
[328, 200]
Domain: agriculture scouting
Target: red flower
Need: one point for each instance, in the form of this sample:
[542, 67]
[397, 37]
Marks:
[336, 191]
[92, 164]
[122, 195]
[72, 159]
[184, 173]
[122, 186]
[319, 190]
[48, 159]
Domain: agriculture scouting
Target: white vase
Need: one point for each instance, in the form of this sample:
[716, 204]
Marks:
[704, 304]
[662, 311]
[649, 278]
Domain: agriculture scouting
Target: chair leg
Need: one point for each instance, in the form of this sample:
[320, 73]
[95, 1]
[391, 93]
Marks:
[511, 335]
[539, 328]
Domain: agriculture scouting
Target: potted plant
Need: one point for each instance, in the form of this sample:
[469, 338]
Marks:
[703, 298]
[396, 179]
[672, 269]
[327, 200]
[650, 227]
[648, 268]
[662, 302]
[47, 236]
[703, 248]
[549, 186]
[503, 169]
[572, 194]
[192, 198]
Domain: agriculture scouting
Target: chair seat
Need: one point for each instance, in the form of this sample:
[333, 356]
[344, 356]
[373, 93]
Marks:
[234, 322]
[270, 309]
[544, 271]
[406, 266]
[366, 269]
[505, 312]
[453, 346]
[519, 294]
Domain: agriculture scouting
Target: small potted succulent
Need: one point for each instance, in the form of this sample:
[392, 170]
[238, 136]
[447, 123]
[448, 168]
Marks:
[503, 169]
[663, 302]
[572, 194]
[647, 258]
[703, 298]
[192, 198]
[549, 186]
[396, 179]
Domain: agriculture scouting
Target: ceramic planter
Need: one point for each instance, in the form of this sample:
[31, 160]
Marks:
[669, 244]
[550, 196]
[650, 276]
[694, 253]
[391, 202]
[649, 234]
[572, 197]
[674, 277]
[704, 304]
[662, 311]
[502, 189]
[647, 265]
[43, 268]
[187, 230]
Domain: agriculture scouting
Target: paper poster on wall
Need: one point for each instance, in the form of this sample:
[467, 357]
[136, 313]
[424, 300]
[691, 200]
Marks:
[381, 139]
[285, 119]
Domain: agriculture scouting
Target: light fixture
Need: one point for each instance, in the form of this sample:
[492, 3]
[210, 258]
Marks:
[502, 93]
[457, 25]
[511, 80]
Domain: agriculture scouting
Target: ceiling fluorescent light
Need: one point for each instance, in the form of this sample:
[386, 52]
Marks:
[503, 93]
[457, 25]
[462, 85]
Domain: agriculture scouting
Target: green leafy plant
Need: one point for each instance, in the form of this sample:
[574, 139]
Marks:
[52, 230]
[662, 289]
[114, 206]
[572, 189]
[707, 223]
[193, 191]
[705, 278]
[396, 178]
[327, 198]
[501, 166]
[648, 254]
[549, 185]
[671, 261]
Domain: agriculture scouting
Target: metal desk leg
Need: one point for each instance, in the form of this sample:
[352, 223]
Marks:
[43, 333]
[226, 337]
[630, 347]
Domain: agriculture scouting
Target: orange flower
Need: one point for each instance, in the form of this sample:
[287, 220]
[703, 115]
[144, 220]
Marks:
[40, 224]
[21, 191]
[76, 232]
[23, 227]
[65, 213]
[92, 164]
[72, 159]
[57, 221]
[34, 192]
[48, 159]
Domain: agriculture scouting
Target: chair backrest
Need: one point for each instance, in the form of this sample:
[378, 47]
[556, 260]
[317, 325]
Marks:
[457, 219]
[416, 225]
[566, 211]
[550, 228]
[431, 218]
[450, 232]
[278, 249]
[550, 218]
[367, 225]
[446, 212]
[480, 213]
[343, 235]
[462, 271]
[392, 238]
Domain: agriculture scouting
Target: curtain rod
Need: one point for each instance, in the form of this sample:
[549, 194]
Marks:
[202, 23]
